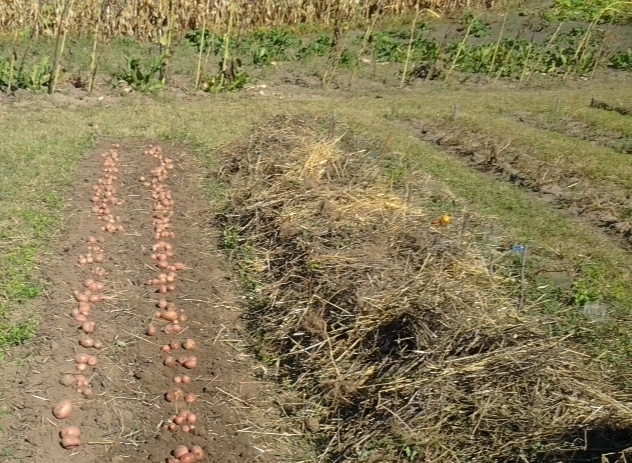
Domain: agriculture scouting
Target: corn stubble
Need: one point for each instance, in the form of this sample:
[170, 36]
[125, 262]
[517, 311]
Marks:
[144, 18]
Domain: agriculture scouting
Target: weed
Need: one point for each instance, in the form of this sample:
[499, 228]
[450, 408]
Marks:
[400, 448]
[319, 47]
[228, 79]
[622, 60]
[387, 47]
[142, 76]
[15, 335]
[230, 238]
[587, 10]
[272, 45]
[34, 80]
[478, 27]
[212, 42]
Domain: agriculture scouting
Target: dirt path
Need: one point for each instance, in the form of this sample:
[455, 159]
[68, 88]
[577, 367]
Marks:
[125, 415]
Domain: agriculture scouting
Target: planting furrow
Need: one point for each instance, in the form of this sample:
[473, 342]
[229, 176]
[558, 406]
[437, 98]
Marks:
[171, 318]
[104, 200]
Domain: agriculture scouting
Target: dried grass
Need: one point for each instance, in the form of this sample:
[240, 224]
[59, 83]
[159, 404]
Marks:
[144, 19]
[392, 334]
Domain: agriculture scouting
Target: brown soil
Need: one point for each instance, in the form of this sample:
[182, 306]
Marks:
[604, 205]
[123, 420]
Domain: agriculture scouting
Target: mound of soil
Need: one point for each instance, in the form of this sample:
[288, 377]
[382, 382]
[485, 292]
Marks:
[125, 416]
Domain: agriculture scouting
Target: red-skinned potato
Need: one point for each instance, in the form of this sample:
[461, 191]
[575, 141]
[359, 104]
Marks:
[70, 431]
[63, 409]
[188, 458]
[197, 451]
[70, 442]
[180, 450]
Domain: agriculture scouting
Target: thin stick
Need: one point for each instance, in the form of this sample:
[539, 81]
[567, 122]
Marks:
[226, 48]
[410, 47]
[12, 65]
[365, 41]
[441, 46]
[59, 47]
[198, 73]
[522, 278]
[546, 49]
[457, 55]
[93, 57]
[500, 36]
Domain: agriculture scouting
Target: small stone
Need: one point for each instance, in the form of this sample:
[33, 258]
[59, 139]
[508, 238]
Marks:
[312, 424]
[595, 310]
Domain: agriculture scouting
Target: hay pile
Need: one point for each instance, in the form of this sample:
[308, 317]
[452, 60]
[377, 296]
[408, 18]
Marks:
[393, 334]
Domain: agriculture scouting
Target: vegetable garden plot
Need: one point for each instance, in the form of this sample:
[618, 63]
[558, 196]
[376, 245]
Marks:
[130, 363]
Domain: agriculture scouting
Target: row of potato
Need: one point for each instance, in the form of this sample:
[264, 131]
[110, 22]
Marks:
[169, 320]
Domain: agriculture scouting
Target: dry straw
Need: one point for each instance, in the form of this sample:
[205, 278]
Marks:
[144, 18]
[393, 336]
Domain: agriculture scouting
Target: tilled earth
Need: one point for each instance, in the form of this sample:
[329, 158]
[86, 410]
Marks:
[125, 417]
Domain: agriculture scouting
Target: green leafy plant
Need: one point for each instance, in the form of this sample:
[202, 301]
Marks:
[319, 47]
[388, 47]
[607, 11]
[211, 41]
[477, 27]
[622, 60]
[34, 79]
[229, 78]
[272, 45]
[142, 76]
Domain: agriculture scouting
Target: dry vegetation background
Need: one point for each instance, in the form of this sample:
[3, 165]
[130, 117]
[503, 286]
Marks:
[144, 18]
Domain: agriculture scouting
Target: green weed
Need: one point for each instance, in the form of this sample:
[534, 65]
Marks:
[229, 79]
[318, 47]
[587, 10]
[272, 45]
[35, 79]
[142, 76]
[622, 60]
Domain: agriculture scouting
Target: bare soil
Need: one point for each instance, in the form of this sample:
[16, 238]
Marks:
[124, 419]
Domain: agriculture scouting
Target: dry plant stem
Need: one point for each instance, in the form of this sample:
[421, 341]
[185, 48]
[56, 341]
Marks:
[457, 55]
[167, 53]
[436, 60]
[546, 49]
[509, 55]
[363, 47]
[580, 50]
[226, 48]
[410, 48]
[600, 53]
[131, 18]
[93, 58]
[62, 32]
[525, 67]
[12, 64]
[198, 72]
[500, 37]
[333, 57]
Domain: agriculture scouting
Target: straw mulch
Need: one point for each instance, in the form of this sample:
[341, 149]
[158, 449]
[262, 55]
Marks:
[399, 343]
